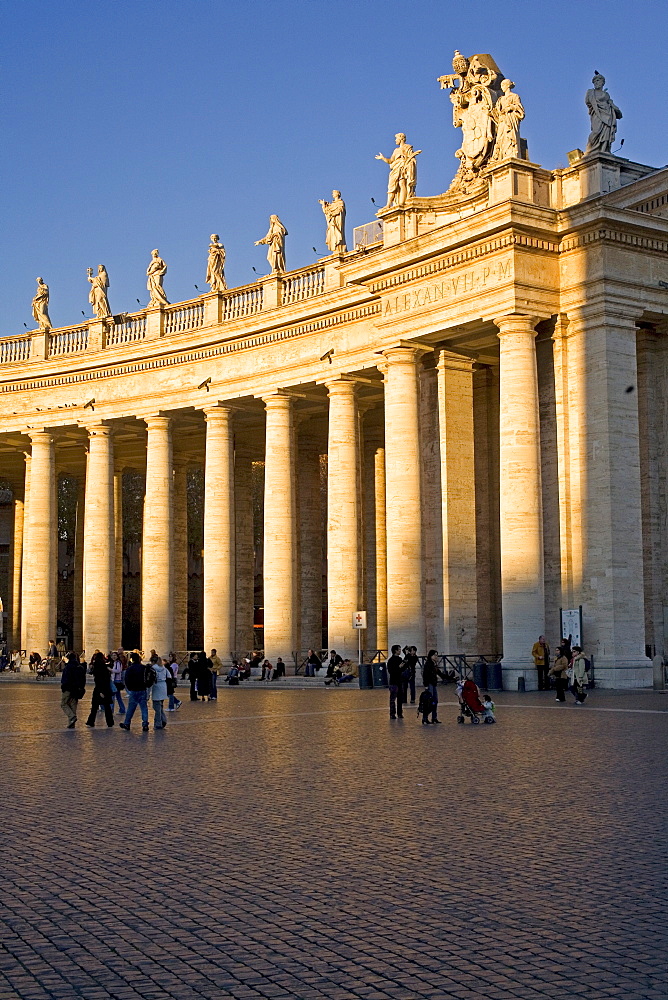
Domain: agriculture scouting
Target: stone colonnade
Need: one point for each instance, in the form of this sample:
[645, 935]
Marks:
[434, 510]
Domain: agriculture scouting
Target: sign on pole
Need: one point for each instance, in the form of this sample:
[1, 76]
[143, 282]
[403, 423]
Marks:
[359, 622]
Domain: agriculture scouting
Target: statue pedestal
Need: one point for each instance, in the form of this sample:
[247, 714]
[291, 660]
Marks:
[212, 308]
[154, 323]
[273, 289]
[520, 179]
[399, 224]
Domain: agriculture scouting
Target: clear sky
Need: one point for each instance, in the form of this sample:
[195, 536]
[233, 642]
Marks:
[154, 123]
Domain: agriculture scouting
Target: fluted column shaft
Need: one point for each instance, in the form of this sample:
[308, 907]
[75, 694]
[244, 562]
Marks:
[99, 542]
[522, 583]
[39, 607]
[280, 585]
[403, 500]
[157, 576]
[219, 591]
[180, 553]
[343, 517]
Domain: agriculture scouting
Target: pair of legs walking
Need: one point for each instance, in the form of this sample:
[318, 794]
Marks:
[136, 699]
[396, 705]
[103, 699]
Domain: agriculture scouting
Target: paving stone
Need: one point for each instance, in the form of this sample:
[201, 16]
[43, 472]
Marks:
[295, 844]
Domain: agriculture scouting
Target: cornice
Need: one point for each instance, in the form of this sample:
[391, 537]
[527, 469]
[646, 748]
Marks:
[185, 357]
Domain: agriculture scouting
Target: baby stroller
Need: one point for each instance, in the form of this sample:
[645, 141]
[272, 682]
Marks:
[42, 671]
[470, 705]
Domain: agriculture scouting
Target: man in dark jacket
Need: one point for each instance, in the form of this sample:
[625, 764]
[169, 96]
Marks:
[394, 671]
[408, 674]
[137, 680]
[102, 690]
[73, 688]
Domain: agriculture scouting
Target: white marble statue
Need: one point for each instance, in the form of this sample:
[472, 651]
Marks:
[402, 181]
[275, 241]
[215, 268]
[335, 214]
[603, 115]
[155, 273]
[474, 91]
[99, 283]
[40, 305]
[508, 112]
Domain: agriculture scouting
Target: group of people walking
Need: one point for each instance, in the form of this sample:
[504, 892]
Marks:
[569, 670]
[401, 673]
[153, 683]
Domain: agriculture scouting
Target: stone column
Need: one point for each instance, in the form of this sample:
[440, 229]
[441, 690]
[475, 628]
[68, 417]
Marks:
[605, 503]
[219, 590]
[522, 585]
[157, 571]
[25, 553]
[243, 548]
[343, 516]
[180, 552]
[280, 580]
[99, 541]
[118, 561]
[78, 588]
[14, 571]
[458, 511]
[310, 535]
[42, 550]
[403, 501]
[375, 536]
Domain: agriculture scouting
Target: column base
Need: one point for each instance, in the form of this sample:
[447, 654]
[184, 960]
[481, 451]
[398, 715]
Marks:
[512, 672]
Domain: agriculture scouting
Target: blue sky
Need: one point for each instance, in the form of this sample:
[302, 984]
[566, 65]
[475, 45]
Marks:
[128, 126]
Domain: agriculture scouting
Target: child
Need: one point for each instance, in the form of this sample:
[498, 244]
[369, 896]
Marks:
[489, 707]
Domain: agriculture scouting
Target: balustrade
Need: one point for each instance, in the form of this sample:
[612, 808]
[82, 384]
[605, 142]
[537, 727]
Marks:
[189, 316]
[243, 302]
[68, 341]
[129, 330]
[303, 285]
[15, 349]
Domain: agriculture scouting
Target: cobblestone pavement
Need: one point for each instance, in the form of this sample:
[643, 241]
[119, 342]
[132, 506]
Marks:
[299, 844]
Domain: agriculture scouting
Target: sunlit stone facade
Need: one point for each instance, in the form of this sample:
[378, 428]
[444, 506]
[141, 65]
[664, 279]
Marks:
[488, 384]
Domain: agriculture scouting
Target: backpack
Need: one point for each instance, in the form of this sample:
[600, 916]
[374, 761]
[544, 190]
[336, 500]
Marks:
[150, 676]
[424, 704]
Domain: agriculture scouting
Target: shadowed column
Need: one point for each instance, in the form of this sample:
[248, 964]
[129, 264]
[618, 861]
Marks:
[403, 501]
[280, 585]
[157, 573]
[219, 592]
[522, 586]
[39, 605]
[118, 551]
[99, 541]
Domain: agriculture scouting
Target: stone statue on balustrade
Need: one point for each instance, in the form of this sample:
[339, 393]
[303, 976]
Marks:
[474, 91]
[507, 113]
[99, 283]
[603, 115]
[402, 181]
[155, 273]
[335, 214]
[40, 306]
[215, 268]
[275, 241]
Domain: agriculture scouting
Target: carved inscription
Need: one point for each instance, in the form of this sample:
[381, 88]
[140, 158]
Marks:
[453, 287]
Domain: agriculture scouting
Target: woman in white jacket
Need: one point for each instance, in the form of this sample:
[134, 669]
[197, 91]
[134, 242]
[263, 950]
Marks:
[158, 692]
[580, 678]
